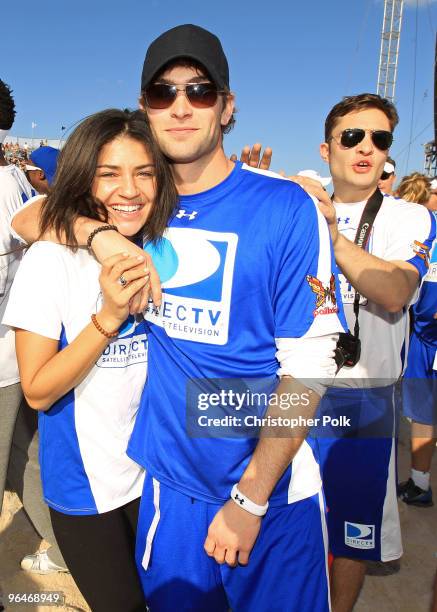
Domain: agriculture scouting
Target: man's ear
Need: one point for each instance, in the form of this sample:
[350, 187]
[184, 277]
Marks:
[141, 103]
[228, 109]
[41, 175]
[324, 151]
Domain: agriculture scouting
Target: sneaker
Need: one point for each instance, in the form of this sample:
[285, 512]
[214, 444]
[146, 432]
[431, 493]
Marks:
[413, 495]
[40, 563]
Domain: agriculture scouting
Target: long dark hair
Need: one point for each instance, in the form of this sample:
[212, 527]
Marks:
[70, 196]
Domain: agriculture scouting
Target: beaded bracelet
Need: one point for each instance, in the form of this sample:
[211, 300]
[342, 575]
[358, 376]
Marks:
[101, 330]
[101, 228]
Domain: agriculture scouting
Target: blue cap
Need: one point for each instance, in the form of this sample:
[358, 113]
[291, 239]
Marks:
[46, 158]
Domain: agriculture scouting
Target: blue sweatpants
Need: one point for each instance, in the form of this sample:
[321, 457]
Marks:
[287, 570]
[419, 386]
[358, 472]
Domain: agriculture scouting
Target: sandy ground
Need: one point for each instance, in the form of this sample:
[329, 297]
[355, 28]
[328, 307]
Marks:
[18, 538]
[408, 590]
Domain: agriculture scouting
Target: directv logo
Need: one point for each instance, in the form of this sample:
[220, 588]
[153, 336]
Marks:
[359, 536]
[196, 268]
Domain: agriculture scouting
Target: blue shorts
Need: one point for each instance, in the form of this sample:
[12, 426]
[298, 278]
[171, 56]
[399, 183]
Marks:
[287, 569]
[359, 474]
[419, 386]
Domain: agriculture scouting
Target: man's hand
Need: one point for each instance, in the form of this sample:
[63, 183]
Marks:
[232, 535]
[104, 245]
[326, 206]
[251, 156]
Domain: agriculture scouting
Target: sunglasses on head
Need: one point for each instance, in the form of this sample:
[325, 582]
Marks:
[162, 95]
[382, 139]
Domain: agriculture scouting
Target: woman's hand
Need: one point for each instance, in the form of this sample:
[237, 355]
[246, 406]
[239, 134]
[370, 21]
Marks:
[105, 244]
[121, 278]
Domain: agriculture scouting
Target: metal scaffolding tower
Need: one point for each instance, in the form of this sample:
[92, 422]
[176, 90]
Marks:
[430, 166]
[388, 57]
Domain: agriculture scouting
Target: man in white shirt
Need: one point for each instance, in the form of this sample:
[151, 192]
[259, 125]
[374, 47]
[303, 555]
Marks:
[18, 437]
[358, 461]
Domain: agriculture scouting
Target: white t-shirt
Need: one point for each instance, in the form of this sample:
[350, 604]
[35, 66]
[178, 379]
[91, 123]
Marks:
[84, 435]
[14, 191]
[400, 232]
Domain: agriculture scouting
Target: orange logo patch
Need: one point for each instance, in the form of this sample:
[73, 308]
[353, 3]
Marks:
[323, 294]
[422, 251]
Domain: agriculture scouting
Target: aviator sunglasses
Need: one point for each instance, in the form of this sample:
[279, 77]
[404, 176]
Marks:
[162, 95]
[382, 139]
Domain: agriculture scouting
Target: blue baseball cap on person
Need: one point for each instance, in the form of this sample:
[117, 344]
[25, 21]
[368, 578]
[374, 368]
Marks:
[46, 159]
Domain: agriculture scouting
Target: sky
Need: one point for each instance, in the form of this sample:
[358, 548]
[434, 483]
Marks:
[290, 62]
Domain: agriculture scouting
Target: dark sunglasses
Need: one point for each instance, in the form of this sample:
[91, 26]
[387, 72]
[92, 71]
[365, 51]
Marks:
[382, 139]
[162, 95]
[386, 175]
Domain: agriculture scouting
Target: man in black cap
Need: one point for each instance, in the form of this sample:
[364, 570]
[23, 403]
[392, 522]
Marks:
[211, 304]
[249, 307]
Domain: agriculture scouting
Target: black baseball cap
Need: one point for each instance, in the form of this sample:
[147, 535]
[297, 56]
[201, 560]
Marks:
[188, 41]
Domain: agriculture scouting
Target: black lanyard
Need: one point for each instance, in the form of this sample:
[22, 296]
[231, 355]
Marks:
[365, 225]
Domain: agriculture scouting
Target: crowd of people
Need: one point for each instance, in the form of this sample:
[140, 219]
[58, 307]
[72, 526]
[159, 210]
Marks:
[15, 153]
[214, 350]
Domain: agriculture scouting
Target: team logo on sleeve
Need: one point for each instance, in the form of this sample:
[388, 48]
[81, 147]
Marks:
[326, 299]
[422, 251]
[431, 275]
[357, 535]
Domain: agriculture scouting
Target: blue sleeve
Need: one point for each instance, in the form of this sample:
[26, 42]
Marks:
[306, 294]
[422, 250]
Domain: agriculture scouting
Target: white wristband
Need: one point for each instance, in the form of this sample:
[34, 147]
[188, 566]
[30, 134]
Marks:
[246, 503]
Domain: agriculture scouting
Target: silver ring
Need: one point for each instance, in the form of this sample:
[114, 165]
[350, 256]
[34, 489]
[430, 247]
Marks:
[122, 281]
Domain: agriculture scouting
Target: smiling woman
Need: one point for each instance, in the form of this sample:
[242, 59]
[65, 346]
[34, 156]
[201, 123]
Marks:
[83, 358]
[110, 159]
[125, 183]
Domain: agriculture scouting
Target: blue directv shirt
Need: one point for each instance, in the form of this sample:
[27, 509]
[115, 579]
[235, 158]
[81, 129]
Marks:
[243, 263]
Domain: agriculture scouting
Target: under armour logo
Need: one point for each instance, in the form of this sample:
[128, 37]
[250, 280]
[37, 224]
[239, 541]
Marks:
[183, 213]
[239, 499]
[345, 220]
